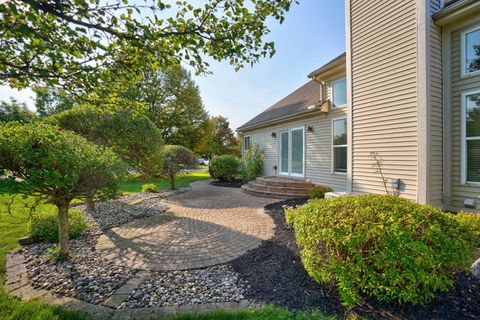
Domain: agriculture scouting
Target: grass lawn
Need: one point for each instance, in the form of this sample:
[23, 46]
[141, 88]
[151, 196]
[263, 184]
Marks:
[134, 184]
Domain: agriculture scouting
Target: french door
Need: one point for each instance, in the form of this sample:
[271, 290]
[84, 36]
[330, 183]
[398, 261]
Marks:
[292, 152]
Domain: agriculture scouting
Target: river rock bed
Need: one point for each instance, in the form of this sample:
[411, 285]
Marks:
[213, 284]
[86, 276]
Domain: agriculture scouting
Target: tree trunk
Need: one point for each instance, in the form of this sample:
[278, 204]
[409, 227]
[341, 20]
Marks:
[172, 182]
[63, 229]
[90, 203]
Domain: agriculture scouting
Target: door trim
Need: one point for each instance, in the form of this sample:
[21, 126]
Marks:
[289, 173]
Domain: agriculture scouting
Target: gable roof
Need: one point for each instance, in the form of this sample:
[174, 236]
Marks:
[298, 101]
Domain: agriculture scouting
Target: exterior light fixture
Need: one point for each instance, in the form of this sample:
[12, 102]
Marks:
[274, 134]
[310, 129]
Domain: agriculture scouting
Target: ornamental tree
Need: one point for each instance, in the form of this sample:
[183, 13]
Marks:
[78, 44]
[175, 160]
[57, 166]
[132, 136]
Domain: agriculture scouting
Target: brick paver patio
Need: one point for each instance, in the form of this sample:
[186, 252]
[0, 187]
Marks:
[203, 227]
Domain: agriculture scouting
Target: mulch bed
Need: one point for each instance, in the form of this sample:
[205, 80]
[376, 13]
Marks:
[276, 276]
[234, 184]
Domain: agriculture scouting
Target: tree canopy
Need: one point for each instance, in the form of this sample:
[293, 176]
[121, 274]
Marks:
[16, 111]
[80, 43]
[217, 138]
[171, 99]
[131, 135]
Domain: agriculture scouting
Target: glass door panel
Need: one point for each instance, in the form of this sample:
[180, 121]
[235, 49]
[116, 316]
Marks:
[284, 152]
[297, 152]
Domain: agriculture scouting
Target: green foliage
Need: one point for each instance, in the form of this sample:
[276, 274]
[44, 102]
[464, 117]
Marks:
[217, 138]
[175, 160]
[149, 187]
[132, 136]
[252, 163]
[172, 101]
[15, 111]
[386, 247]
[225, 168]
[472, 222]
[51, 100]
[78, 44]
[44, 225]
[55, 164]
[318, 192]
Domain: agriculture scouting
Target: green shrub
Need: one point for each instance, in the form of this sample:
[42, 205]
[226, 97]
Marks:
[149, 187]
[386, 247]
[44, 225]
[318, 192]
[252, 164]
[225, 168]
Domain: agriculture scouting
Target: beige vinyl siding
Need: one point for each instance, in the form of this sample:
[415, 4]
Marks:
[460, 85]
[436, 111]
[318, 147]
[384, 93]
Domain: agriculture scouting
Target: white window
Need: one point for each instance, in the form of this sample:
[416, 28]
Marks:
[471, 137]
[246, 144]
[471, 51]
[339, 93]
[339, 145]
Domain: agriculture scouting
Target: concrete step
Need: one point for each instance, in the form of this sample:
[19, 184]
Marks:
[301, 191]
[270, 194]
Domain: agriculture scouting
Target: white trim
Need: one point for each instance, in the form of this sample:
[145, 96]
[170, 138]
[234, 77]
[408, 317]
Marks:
[332, 83]
[463, 130]
[463, 52]
[289, 135]
[332, 160]
[348, 31]
[423, 100]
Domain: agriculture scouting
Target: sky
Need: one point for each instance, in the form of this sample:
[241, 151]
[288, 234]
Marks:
[313, 33]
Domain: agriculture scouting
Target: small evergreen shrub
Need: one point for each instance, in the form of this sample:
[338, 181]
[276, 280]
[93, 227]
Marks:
[385, 247]
[252, 165]
[225, 168]
[149, 187]
[318, 192]
[44, 225]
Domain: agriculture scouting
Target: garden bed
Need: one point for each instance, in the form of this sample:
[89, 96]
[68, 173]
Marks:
[276, 276]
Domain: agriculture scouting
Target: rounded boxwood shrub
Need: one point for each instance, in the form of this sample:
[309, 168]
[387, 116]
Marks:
[149, 187]
[318, 192]
[225, 168]
[44, 225]
[385, 247]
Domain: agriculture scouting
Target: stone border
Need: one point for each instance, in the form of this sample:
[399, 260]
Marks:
[18, 285]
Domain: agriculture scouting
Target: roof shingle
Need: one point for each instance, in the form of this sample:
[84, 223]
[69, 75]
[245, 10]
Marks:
[299, 100]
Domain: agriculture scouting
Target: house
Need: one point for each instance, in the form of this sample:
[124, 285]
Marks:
[406, 92]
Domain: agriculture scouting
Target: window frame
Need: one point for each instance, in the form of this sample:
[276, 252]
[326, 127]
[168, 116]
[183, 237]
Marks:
[463, 52]
[463, 155]
[338, 146]
[244, 144]
[333, 93]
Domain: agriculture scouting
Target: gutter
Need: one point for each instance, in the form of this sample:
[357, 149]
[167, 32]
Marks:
[311, 109]
[456, 11]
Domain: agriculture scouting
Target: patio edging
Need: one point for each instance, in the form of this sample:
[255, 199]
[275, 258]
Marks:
[17, 284]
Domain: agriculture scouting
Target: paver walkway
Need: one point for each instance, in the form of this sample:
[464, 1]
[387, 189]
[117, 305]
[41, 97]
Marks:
[203, 227]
